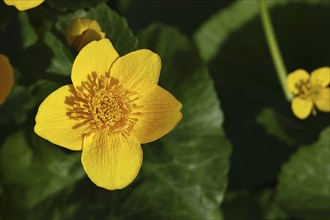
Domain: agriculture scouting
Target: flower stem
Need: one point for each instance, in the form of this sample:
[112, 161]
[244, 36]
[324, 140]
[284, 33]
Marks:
[274, 49]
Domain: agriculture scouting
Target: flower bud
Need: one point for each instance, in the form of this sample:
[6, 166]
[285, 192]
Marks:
[6, 77]
[82, 31]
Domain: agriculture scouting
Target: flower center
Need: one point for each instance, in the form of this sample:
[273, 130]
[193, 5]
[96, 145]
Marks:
[103, 104]
[106, 108]
[308, 90]
[111, 108]
[303, 87]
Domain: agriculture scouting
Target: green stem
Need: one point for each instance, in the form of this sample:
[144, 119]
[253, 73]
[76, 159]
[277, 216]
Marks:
[274, 49]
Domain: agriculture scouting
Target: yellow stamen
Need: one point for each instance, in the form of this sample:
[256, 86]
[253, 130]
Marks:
[105, 105]
[307, 90]
[303, 87]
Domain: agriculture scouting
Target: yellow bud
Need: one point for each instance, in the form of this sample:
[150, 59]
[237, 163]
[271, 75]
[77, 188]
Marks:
[82, 31]
[6, 77]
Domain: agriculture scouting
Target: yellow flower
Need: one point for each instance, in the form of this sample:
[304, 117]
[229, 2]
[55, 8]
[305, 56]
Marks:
[309, 91]
[23, 5]
[6, 77]
[113, 106]
[82, 31]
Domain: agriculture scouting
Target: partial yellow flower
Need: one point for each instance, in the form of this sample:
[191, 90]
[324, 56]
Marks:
[310, 91]
[82, 31]
[6, 77]
[113, 106]
[23, 5]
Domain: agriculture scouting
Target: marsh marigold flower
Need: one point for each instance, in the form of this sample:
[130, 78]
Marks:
[310, 91]
[6, 77]
[82, 31]
[113, 106]
[23, 5]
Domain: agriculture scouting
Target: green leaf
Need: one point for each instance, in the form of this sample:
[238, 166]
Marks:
[19, 96]
[259, 121]
[303, 189]
[243, 204]
[62, 58]
[30, 35]
[32, 170]
[51, 60]
[269, 205]
[186, 176]
[42, 88]
[268, 119]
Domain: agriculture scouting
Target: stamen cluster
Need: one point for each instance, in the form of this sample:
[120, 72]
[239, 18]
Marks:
[104, 104]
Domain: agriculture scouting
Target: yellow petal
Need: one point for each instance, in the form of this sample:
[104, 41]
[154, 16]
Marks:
[323, 100]
[89, 36]
[111, 161]
[94, 25]
[6, 77]
[160, 114]
[301, 107]
[23, 5]
[102, 34]
[294, 78]
[137, 71]
[321, 76]
[54, 124]
[96, 57]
